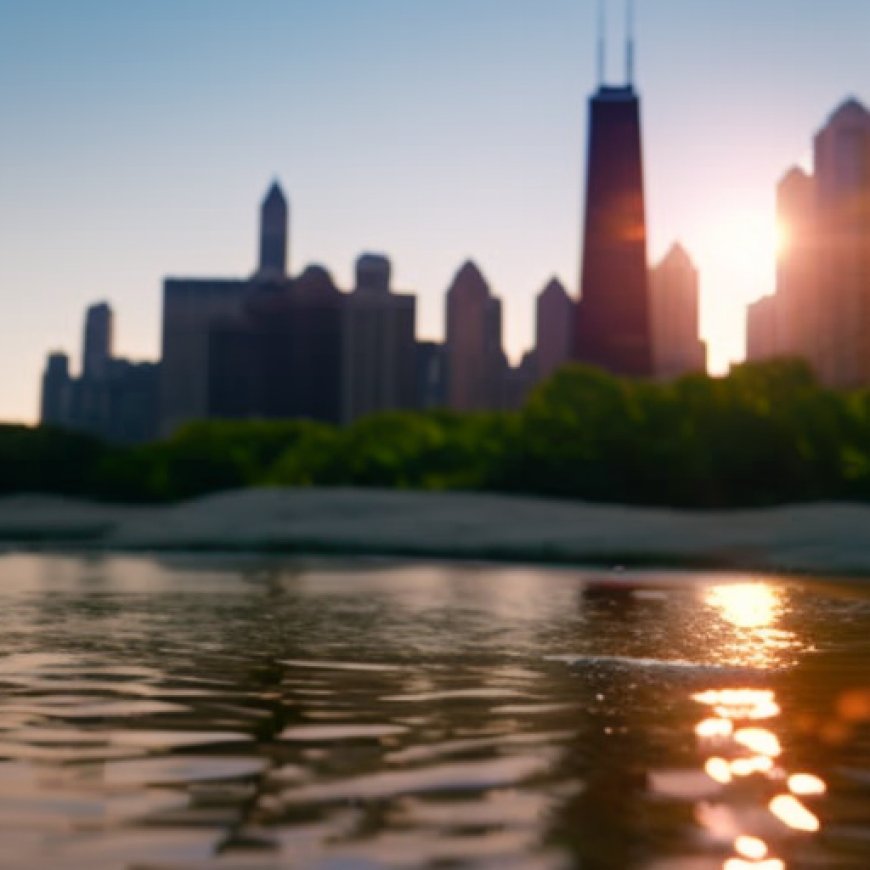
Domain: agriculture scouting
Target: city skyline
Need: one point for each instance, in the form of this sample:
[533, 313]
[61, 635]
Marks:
[184, 209]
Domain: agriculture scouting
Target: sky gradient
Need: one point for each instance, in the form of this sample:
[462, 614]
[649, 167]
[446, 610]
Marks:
[138, 139]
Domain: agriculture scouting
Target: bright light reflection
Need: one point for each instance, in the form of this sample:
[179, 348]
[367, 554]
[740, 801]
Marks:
[711, 728]
[790, 811]
[806, 784]
[750, 847]
[759, 740]
[743, 767]
[718, 770]
[746, 605]
[740, 864]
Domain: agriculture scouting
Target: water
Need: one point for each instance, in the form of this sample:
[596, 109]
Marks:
[259, 714]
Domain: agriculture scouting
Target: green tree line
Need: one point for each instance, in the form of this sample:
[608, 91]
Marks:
[766, 434]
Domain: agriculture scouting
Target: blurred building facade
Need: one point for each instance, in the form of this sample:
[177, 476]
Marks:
[821, 307]
[612, 327]
[112, 398]
[379, 352]
[555, 318]
[476, 363]
[675, 314]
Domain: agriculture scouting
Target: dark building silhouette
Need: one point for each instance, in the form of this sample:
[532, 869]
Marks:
[274, 234]
[191, 307]
[613, 328]
[379, 346]
[476, 364]
[674, 308]
[431, 371]
[555, 317]
[98, 338]
[281, 357]
[56, 391]
[113, 398]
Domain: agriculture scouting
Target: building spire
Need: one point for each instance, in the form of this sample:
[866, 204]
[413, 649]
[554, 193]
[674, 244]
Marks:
[602, 27]
[629, 43]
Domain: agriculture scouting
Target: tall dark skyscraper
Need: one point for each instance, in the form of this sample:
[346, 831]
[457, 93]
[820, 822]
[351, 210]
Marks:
[97, 344]
[613, 329]
[273, 234]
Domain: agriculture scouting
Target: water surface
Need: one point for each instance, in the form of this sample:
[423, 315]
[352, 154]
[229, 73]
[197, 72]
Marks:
[203, 713]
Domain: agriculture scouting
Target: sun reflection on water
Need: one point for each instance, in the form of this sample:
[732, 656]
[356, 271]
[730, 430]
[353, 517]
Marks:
[737, 749]
[752, 612]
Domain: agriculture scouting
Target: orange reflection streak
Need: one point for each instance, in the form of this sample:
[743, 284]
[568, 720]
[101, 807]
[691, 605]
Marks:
[751, 847]
[746, 605]
[747, 750]
[806, 784]
[790, 811]
[759, 740]
[747, 766]
[752, 610]
[710, 728]
[718, 770]
[740, 864]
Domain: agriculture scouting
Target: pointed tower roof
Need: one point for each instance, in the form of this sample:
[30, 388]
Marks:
[678, 254]
[554, 287]
[850, 110]
[275, 194]
[469, 280]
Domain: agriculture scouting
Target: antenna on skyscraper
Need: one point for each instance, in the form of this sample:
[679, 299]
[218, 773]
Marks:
[629, 42]
[602, 25]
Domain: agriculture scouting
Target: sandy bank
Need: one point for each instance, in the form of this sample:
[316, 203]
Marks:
[821, 538]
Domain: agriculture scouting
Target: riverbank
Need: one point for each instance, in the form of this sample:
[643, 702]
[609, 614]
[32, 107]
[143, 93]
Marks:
[818, 538]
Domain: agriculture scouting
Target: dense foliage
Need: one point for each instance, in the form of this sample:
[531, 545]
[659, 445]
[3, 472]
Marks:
[765, 434]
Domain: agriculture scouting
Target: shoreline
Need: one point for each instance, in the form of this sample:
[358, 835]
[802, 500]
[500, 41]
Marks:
[815, 539]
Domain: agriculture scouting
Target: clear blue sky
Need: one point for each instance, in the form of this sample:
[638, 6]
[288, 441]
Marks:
[138, 138]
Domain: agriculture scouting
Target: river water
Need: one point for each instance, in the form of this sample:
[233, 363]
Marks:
[210, 713]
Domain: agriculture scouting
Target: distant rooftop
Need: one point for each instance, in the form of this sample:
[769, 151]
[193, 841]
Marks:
[615, 94]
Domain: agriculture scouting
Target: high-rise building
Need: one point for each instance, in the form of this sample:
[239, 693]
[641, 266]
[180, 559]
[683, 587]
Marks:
[555, 317]
[674, 296]
[192, 306]
[762, 330]
[476, 363]
[379, 347]
[113, 398]
[798, 308]
[56, 391]
[842, 181]
[281, 356]
[97, 343]
[821, 308]
[613, 328]
[273, 234]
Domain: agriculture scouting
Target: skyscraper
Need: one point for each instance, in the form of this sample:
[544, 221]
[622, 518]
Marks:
[97, 344]
[674, 292]
[378, 345]
[842, 176]
[821, 308]
[554, 322]
[476, 363]
[798, 309]
[273, 234]
[613, 323]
